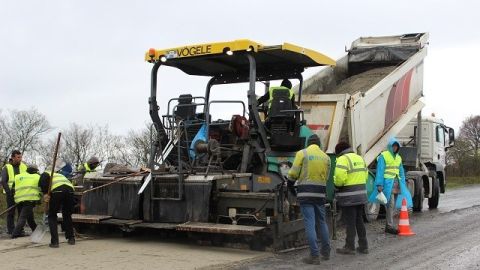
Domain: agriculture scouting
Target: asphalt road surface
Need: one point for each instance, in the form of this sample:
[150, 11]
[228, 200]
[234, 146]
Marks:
[446, 238]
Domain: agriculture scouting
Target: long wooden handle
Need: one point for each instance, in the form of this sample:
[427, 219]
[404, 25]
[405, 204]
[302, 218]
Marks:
[8, 209]
[57, 145]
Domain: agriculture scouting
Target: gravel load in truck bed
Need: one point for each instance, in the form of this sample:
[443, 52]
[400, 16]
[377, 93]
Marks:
[362, 81]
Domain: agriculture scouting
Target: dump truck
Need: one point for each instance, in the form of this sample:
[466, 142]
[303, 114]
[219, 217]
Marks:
[375, 92]
[221, 180]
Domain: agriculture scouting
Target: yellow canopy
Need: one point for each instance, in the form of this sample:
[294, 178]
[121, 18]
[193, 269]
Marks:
[228, 58]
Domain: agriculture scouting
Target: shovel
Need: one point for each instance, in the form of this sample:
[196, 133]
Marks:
[42, 229]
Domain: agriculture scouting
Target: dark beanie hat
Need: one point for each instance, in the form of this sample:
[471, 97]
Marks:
[341, 146]
[314, 139]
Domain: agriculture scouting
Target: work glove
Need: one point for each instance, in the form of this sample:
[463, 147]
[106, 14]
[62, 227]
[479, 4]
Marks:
[46, 198]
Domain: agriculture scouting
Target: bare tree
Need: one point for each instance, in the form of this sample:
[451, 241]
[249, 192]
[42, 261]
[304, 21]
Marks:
[139, 144]
[22, 130]
[78, 143]
[470, 132]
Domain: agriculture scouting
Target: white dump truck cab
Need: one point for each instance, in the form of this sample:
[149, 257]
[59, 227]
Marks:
[425, 165]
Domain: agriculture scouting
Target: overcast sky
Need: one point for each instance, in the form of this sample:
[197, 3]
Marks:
[82, 61]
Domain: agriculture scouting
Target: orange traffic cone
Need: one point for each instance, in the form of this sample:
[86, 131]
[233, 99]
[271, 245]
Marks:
[403, 222]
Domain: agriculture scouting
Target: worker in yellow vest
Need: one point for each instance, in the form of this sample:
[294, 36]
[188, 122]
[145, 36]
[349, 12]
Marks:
[89, 166]
[61, 198]
[390, 179]
[350, 179]
[284, 88]
[27, 194]
[14, 167]
[310, 169]
[84, 169]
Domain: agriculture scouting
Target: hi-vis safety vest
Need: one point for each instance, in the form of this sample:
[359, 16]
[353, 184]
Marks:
[311, 167]
[350, 177]
[278, 88]
[86, 167]
[26, 187]
[60, 180]
[11, 173]
[392, 165]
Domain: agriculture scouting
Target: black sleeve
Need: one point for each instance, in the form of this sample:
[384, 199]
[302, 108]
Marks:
[293, 102]
[44, 182]
[5, 180]
[263, 98]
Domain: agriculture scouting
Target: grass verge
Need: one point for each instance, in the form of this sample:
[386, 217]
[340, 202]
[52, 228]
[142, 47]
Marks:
[454, 182]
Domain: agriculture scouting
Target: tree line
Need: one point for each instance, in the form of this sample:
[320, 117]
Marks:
[463, 159]
[30, 132]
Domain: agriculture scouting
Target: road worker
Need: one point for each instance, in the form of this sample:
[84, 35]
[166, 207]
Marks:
[61, 197]
[9, 171]
[89, 166]
[350, 179]
[311, 168]
[282, 91]
[390, 179]
[27, 194]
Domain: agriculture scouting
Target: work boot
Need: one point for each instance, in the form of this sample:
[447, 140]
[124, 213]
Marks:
[325, 257]
[22, 234]
[54, 245]
[345, 251]
[311, 260]
[71, 241]
[391, 230]
[362, 250]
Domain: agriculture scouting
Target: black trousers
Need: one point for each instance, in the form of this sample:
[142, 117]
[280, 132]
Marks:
[11, 214]
[61, 199]
[353, 216]
[25, 216]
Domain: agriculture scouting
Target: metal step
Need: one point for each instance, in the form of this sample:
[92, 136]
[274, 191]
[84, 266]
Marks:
[219, 228]
[80, 218]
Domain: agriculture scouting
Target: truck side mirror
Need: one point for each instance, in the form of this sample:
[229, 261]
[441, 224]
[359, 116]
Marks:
[451, 137]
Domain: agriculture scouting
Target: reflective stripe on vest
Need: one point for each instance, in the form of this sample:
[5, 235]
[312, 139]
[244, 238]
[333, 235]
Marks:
[309, 188]
[87, 167]
[392, 165]
[22, 168]
[352, 195]
[59, 180]
[26, 187]
[354, 191]
[272, 89]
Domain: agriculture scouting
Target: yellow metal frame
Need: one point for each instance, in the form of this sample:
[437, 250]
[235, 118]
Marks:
[204, 49]
[315, 56]
[232, 46]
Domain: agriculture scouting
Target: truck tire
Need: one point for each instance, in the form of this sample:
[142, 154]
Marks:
[371, 212]
[433, 201]
[441, 181]
[419, 195]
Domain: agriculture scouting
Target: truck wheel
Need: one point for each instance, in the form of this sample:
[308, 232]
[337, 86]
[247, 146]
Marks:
[433, 202]
[419, 195]
[371, 212]
[441, 181]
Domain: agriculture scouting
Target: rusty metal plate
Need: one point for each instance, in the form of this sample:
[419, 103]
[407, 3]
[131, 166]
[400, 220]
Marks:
[219, 228]
[160, 226]
[120, 222]
[91, 219]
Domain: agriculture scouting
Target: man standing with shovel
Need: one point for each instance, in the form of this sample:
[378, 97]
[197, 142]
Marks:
[61, 197]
